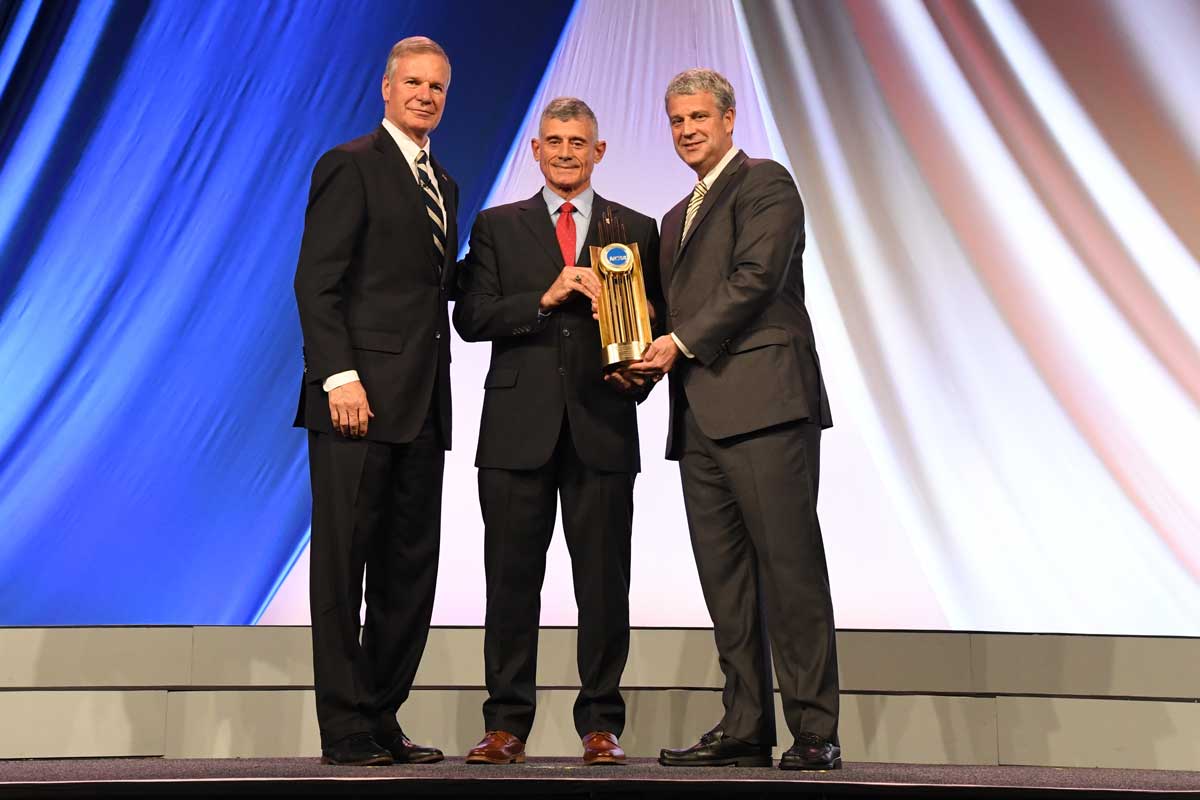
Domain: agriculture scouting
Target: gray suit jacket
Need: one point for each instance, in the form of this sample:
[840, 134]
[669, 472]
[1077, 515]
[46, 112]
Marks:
[734, 292]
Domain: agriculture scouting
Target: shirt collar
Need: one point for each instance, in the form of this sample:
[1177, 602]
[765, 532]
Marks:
[712, 176]
[582, 202]
[407, 146]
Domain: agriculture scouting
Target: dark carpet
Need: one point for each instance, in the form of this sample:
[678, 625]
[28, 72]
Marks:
[565, 778]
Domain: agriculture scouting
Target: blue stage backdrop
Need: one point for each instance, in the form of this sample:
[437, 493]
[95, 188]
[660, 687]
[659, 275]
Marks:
[154, 163]
[1002, 269]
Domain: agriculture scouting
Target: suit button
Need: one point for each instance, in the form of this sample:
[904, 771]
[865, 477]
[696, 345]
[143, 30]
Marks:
[437, 335]
[562, 370]
[566, 332]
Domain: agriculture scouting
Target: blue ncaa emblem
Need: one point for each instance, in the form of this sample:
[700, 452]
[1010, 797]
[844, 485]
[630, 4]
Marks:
[617, 257]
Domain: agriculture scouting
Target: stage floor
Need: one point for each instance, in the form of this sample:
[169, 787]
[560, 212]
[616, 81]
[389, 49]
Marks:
[565, 778]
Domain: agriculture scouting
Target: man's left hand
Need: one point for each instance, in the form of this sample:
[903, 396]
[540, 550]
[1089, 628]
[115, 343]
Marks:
[658, 359]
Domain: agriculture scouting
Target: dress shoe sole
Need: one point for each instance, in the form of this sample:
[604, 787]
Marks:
[733, 761]
[809, 767]
[517, 759]
[604, 761]
[379, 761]
[432, 758]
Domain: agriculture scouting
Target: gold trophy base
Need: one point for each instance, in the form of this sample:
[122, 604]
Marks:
[621, 353]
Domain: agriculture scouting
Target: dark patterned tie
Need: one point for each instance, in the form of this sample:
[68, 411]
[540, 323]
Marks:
[433, 205]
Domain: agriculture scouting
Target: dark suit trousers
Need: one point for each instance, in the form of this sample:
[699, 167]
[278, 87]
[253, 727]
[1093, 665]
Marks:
[518, 514]
[376, 506]
[751, 505]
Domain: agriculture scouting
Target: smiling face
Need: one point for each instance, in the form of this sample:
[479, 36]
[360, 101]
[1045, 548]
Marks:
[702, 134]
[414, 95]
[567, 151]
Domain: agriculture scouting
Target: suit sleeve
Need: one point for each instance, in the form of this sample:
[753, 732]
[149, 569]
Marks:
[648, 250]
[483, 311]
[769, 219]
[332, 223]
[452, 282]
[653, 277]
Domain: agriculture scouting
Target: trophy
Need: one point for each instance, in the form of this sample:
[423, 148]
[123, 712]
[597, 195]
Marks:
[623, 309]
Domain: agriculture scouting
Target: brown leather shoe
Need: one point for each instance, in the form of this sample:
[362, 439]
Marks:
[601, 747]
[497, 747]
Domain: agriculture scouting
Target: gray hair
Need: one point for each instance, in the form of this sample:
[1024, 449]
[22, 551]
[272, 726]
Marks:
[702, 79]
[568, 108]
[413, 45]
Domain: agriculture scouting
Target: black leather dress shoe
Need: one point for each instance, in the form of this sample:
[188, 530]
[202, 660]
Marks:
[356, 750]
[812, 752]
[715, 749]
[405, 751]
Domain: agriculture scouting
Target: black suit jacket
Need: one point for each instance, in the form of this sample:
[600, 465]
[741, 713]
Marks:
[543, 369]
[371, 292]
[735, 296]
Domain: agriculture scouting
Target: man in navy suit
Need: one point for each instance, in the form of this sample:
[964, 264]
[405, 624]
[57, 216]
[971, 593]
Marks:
[554, 426]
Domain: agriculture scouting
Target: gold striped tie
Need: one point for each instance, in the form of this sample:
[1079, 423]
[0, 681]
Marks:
[693, 206]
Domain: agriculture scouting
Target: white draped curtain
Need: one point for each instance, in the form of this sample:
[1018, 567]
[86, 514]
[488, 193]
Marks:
[1003, 268]
[1002, 202]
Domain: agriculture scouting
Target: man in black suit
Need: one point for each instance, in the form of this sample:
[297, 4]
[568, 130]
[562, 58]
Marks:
[554, 425]
[375, 271]
[747, 408]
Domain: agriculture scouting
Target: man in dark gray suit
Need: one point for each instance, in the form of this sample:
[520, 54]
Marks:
[747, 408]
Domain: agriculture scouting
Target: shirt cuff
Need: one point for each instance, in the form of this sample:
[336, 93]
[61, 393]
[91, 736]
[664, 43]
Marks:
[682, 348]
[340, 379]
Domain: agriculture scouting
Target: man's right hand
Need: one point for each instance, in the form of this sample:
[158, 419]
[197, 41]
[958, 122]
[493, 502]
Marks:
[349, 410]
[571, 279]
[628, 383]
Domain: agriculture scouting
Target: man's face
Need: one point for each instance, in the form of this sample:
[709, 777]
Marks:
[567, 151]
[415, 94]
[702, 135]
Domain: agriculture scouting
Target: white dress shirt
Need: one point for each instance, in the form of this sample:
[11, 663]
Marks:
[708, 181]
[410, 150]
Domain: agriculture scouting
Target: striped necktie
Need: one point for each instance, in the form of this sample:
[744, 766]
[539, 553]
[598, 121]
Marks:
[433, 205]
[693, 206]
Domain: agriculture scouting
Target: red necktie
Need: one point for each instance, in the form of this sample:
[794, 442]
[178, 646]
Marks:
[565, 231]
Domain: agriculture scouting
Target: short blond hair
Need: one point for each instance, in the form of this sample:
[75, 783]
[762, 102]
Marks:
[413, 45]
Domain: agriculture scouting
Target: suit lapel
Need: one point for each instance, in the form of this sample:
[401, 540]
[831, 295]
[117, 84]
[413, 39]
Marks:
[593, 232]
[672, 228]
[449, 191]
[403, 176]
[536, 219]
[711, 198]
